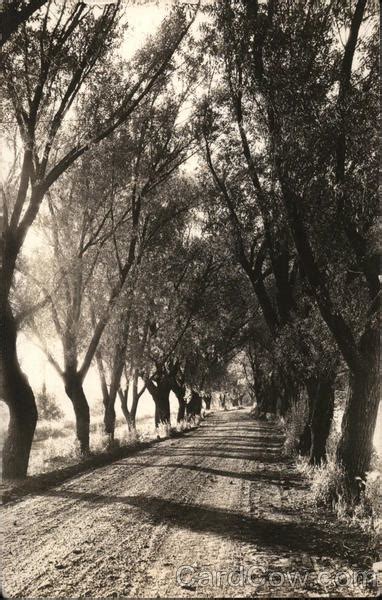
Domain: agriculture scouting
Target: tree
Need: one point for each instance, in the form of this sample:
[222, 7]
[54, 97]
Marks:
[218, 330]
[312, 151]
[163, 146]
[99, 229]
[14, 13]
[164, 213]
[245, 211]
[179, 296]
[45, 67]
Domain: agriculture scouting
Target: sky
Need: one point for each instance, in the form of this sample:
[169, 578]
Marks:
[143, 21]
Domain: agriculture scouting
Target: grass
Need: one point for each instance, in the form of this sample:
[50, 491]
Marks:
[55, 445]
[327, 480]
[327, 489]
[293, 424]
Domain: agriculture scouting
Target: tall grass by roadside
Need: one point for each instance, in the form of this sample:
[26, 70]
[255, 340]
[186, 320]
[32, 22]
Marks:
[327, 490]
[327, 481]
[293, 424]
[55, 445]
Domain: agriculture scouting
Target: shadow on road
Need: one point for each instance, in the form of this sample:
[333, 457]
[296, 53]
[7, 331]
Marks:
[270, 476]
[301, 537]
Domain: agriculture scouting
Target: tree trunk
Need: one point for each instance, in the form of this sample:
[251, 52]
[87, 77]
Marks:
[181, 410]
[287, 390]
[259, 396]
[109, 419]
[117, 370]
[162, 405]
[74, 389]
[123, 396]
[135, 399]
[131, 415]
[268, 397]
[109, 412]
[322, 417]
[194, 406]
[317, 428]
[161, 396]
[358, 423]
[305, 441]
[18, 396]
[207, 400]
[180, 392]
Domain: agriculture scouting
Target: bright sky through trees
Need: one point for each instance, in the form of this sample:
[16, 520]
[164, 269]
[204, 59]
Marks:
[143, 20]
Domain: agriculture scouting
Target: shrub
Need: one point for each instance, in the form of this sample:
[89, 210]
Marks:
[163, 430]
[370, 508]
[47, 406]
[328, 485]
[183, 425]
[194, 421]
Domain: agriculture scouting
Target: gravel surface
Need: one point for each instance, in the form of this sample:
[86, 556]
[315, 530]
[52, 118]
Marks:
[222, 502]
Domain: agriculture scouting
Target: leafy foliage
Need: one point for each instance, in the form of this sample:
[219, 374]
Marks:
[47, 406]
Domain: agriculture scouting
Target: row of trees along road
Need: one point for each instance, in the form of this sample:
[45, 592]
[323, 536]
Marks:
[160, 276]
[59, 68]
[289, 138]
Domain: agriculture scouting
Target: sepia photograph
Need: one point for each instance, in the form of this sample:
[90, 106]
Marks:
[190, 299]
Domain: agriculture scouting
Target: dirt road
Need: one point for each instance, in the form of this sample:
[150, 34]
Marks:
[221, 498]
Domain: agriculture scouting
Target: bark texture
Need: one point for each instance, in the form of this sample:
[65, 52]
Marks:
[18, 396]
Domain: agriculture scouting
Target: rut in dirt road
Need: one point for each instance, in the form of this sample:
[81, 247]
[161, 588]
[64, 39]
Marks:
[217, 512]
